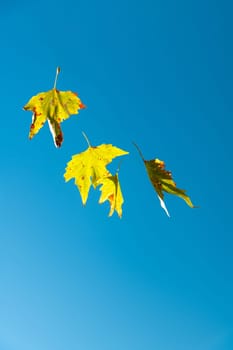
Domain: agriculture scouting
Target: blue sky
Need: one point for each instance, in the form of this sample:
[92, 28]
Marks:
[155, 72]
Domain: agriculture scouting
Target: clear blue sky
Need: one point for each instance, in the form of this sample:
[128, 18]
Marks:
[159, 73]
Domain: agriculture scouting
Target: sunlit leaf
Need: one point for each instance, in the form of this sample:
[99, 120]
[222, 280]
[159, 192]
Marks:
[162, 181]
[111, 191]
[53, 106]
[88, 167]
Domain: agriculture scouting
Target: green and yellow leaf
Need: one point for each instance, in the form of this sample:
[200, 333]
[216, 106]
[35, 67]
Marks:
[162, 181]
[89, 167]
[111, 191]
[52, 106]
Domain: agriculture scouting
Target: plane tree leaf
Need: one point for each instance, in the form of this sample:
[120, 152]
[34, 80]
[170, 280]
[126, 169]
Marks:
[52, 106]
[162, 181]
[89, 167]
[111, 191]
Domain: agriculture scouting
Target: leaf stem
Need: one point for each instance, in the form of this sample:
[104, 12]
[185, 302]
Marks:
[139, 151]
[86, 138]
[57, 73]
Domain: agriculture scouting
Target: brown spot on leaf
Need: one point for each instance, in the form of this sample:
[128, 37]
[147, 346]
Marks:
[111, 197]
[59, 139]
[82, 106]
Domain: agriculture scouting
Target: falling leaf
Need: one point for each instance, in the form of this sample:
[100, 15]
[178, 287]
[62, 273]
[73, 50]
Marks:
[53, 106]
[111, 191]
[88, 167]
[162, 181]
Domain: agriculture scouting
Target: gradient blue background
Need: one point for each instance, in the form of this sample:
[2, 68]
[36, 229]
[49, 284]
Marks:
[159, 73]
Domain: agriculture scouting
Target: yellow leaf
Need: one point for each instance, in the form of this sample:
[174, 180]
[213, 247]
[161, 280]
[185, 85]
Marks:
[162, 181]
[53, 106]
[111, 191]
[88, 167]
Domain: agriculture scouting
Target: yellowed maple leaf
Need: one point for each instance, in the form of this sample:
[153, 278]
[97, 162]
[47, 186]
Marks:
[162, 181]
[111, 191]
[88, 167]
[53, 106]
